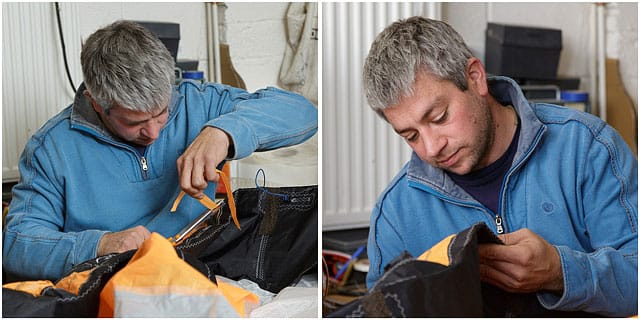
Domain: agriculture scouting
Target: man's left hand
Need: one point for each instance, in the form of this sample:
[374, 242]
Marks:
[525, 263]
[197, 165]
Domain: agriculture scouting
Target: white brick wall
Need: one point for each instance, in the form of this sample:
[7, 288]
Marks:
[254, 31]
[622, 43]
[256, 36]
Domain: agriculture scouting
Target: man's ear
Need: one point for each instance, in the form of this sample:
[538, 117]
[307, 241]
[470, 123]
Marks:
[96, 106]
[476, 76]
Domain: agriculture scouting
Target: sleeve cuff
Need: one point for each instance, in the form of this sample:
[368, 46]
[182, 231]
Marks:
[87, 245]
[242, 137]
[573, 286]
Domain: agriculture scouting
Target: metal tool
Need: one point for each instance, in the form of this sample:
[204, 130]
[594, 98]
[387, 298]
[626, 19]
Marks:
[197, 224]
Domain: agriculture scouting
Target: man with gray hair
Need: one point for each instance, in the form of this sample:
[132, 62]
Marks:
[557, 185]
[101, 175]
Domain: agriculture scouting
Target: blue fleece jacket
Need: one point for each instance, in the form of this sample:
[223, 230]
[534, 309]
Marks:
[573, 181]
[78, 182]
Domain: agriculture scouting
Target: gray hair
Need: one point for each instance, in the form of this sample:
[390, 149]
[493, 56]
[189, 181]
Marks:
[406, 48]
[126, 64]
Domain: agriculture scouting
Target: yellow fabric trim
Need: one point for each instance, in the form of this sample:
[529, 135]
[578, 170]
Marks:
[210, 204]
[439, 253]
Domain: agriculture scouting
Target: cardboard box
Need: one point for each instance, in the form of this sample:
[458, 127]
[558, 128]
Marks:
[621, 112]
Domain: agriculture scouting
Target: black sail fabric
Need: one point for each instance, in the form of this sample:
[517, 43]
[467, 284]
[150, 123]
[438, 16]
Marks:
[278, 239]
[416, 288]
[55, 302]
[277, 243]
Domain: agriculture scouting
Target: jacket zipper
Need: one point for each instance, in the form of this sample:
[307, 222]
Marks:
[83, 126]
[500, 228]
[145, 167]
[143, 161]
[498, 221]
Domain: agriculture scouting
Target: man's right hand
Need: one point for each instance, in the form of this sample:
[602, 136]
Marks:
[197, 165]
[122, 241]
[525, 263]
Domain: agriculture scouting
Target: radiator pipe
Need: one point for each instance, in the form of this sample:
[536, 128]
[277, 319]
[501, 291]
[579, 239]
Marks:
[213, 42]
[602, 60]
[593, 60]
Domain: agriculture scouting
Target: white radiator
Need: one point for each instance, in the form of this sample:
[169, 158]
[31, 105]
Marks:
[360, 151]
[34, 83]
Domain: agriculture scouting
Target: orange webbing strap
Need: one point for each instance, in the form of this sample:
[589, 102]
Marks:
[230, 200]
[210, 204]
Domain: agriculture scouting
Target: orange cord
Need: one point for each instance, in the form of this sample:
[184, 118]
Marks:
[210, 204]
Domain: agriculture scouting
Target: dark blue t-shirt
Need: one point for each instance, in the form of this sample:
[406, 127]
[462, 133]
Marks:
[484, 184]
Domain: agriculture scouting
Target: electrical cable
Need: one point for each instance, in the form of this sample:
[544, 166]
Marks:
[64, 49]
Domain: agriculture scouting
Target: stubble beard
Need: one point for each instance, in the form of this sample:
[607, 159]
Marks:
[481, 144]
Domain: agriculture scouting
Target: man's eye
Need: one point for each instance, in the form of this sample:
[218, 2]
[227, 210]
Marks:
[442, 117]
[412, 137]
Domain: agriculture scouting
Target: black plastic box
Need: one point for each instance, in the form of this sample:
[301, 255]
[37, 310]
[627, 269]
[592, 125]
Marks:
[346, 241]
[167, 32]
[522, 52]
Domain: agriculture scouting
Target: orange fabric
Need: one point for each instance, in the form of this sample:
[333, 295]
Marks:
[71, 283]
[438, 253]
[34, 287]
[74, 281]
[241, 299]
[156, 271]
[210, 204]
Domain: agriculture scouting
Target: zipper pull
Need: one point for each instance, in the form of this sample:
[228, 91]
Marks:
[499, 225]
[143, 162]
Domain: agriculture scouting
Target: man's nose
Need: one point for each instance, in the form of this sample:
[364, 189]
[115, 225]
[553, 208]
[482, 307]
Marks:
[152, 129]
[433, 144]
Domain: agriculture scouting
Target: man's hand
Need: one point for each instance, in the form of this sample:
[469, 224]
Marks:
[122, 241]
[526, 263]
[197, 165]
